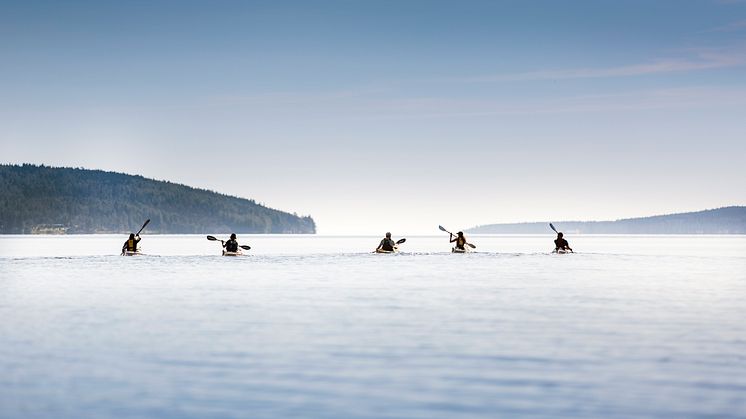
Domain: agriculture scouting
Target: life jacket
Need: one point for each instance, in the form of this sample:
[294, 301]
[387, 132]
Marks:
[387, 244]
[131, 245]
[460, 242]
[231, 246]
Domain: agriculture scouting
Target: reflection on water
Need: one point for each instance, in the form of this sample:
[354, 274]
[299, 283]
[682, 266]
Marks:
[320, 327]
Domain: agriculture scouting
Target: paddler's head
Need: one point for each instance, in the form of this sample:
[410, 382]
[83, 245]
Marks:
[132, 236]
[559, 235]
[460, 234]
[233, 236]
[388, 235]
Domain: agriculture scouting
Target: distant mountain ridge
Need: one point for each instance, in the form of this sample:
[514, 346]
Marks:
[42, 199]
[726, 220]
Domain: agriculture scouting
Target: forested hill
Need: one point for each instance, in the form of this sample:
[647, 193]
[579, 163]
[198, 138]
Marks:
[727, 220]
[40, 199]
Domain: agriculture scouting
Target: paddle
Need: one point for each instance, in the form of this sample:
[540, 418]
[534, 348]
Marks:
[143, 227]
[212, 238]
[552, 226]
[444, 229]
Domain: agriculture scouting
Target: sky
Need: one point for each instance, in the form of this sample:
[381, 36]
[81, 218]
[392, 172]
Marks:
[375, 116]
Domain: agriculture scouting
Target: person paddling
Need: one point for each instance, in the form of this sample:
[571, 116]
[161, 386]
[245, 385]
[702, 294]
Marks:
[459, 239]
[231, 245]
[560, 244]
[131, 244]
[387, 244]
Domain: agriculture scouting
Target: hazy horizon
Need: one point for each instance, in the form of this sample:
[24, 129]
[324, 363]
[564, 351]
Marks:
[391, 116]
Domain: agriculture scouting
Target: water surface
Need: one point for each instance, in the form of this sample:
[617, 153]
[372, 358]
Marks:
[311, 326]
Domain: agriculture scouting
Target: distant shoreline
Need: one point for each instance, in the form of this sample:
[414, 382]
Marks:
[719, 221]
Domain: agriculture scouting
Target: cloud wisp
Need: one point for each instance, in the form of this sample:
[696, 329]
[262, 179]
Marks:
[386, 107]
[653, 99]
[703, 59]
[736, 26]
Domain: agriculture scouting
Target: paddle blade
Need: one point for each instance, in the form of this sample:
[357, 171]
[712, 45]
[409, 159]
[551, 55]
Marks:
[211, 238]
[244, 247]
[552, 226]
[442, 228]
[400, 241]
[471, 245]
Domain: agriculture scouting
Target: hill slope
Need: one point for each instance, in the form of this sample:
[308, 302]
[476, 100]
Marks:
[727, 220]
[40, 199]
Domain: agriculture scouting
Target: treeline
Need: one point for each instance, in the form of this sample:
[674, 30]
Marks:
[727, 220]
[41, 199]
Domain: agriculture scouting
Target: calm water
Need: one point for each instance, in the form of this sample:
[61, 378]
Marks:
[631, 326]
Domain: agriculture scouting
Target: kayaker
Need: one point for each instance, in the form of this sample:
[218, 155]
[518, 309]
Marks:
[561, 244]
[231, 245]
[460, 240]
[131, 244]
[387, 244]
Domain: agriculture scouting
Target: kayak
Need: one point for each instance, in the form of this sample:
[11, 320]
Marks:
[131, 253]
[396, 250]
[227, 253]
[457, 250]
[561, 252]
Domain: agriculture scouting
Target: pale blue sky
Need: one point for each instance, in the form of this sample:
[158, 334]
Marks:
[391, 115]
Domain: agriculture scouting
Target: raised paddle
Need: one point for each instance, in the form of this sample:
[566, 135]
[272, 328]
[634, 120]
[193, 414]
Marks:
[212, 238]
[444, 229]
[143, 227]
